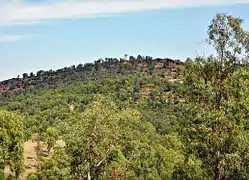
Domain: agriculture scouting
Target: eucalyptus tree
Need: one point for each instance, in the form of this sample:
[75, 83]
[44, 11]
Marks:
[11, 143]
[108, 143]
[217, 91]
[231, 43]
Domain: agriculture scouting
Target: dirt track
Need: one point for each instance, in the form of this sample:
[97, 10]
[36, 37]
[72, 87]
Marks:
[30, 158]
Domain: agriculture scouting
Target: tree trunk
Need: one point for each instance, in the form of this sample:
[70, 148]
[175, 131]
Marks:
[89, 175]
[218, 171]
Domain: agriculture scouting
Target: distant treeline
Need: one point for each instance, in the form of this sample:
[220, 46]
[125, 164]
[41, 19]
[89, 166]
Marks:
[100, 69]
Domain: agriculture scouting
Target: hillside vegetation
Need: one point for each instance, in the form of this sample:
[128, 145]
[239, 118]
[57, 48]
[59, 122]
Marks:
[100, 69]
[136, 118]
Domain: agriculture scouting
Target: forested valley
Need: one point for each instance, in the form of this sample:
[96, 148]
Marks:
[135, 118]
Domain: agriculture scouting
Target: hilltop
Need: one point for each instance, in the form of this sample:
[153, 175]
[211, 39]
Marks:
[141, 118]
[100, 69]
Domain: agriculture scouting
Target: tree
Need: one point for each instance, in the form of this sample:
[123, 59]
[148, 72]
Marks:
[151, 68]
[40, 73]
[140, 58]
[31, 74]
[132, 58]
[11, 143]
[25, 75]
[51, 136]
[49, 169]
[206, 76]
[108, 143]
[216, 88]
[97, 64]
[80, 67]
[231, 44]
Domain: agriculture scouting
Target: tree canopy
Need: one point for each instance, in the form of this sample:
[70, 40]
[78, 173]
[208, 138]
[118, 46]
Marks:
[135, 118]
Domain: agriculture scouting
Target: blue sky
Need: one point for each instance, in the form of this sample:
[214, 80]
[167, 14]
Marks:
[50, 34]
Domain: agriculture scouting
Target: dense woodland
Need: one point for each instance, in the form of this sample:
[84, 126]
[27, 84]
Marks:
[136, 118]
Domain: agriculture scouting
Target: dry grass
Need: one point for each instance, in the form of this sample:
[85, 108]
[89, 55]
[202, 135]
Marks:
[30, 158]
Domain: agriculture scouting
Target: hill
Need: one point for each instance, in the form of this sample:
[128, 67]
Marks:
[101, 69]
[141, 118]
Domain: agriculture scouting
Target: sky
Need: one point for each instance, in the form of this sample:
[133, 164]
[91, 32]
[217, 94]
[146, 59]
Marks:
[51, 34]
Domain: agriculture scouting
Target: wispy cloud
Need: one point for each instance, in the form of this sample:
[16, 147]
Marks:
[13, 12]
[13, 38]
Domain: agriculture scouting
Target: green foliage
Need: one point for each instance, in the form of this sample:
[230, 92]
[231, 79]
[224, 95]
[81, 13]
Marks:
[218, 91]
[106, 140]
[49, 170]
[11, 143]
[133, 120]
[54, 167]
[51, 136]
